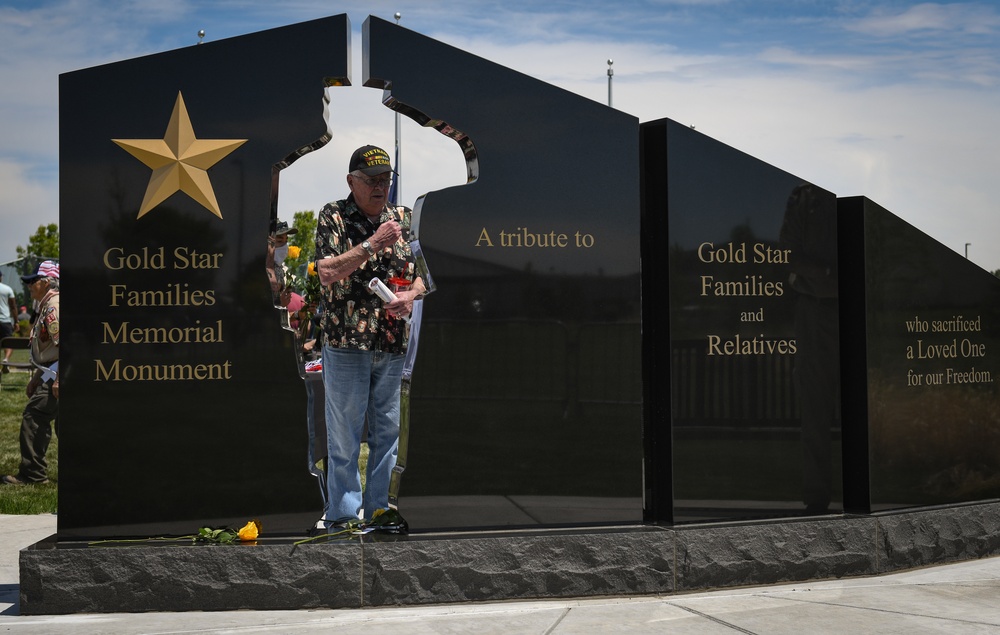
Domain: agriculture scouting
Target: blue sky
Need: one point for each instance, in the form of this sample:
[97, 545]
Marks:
[896, 100]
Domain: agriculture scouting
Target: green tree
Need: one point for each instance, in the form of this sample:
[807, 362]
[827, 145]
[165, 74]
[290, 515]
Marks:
[44, 243]
[305, 238]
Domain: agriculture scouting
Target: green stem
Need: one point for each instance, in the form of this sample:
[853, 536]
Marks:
[98, 543]
[329, 535]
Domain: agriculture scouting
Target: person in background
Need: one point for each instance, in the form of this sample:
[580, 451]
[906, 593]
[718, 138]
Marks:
[43, 387]
[277, 251]
[23, 323]
[308, 328]
[8, 315]
[295, 305]
[364, 339]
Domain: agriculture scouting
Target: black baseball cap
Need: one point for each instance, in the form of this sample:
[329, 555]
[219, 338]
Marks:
[370, 160]
[282, 228]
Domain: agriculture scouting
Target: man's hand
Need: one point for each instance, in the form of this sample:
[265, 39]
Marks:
[334, 268]
[403, 304]
[33, 385]
[386, 234]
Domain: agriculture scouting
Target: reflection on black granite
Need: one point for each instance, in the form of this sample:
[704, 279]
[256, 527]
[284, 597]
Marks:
[526, 383]
[738, 423]
[923, 329]
[809, 231]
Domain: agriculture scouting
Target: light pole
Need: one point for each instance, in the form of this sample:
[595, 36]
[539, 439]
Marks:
[611, 73]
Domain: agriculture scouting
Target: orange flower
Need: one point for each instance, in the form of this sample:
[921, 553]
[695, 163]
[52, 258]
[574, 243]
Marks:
[250, 531]
[294, 251]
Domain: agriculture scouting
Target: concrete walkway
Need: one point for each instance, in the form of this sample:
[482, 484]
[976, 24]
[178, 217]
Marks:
[955, 598]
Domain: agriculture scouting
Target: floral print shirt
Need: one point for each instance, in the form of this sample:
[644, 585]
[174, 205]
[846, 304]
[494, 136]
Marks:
[353, 316]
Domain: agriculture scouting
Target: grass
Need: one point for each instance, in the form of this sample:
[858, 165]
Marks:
[27, 499]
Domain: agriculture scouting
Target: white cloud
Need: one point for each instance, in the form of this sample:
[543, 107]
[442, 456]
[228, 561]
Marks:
[357, 117]
[968, 18]
[25, 204]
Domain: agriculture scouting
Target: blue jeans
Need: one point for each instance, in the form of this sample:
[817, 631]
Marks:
[359, 384]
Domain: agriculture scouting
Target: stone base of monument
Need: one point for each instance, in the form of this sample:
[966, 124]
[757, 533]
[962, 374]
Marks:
[433, 568]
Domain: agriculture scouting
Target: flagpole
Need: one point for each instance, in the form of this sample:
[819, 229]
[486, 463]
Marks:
[397, 200]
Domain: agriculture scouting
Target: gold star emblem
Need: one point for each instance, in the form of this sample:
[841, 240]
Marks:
[180, 161]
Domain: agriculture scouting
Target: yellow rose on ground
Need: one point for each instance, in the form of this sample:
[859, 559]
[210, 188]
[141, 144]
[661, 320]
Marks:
[311, 269]
[250, 531]
[294, 251]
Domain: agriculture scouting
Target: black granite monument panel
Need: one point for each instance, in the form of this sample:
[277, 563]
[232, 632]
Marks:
[181, 400]
[921, 335]
[746, 255]
[527, 379]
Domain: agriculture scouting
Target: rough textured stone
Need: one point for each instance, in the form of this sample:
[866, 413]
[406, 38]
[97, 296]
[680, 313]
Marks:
[766, 553]
[381, 570]
[480, 568]
[183, 578]
[921, 537]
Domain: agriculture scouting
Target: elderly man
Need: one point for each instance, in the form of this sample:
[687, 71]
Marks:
[43, 387]
[358, 239]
